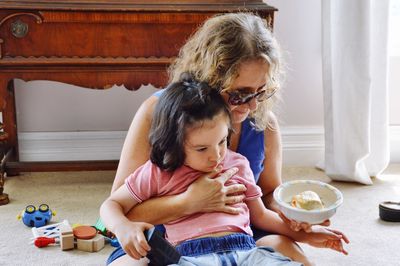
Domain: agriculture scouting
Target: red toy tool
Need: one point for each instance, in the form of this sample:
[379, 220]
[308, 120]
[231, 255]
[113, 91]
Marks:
[42, 241]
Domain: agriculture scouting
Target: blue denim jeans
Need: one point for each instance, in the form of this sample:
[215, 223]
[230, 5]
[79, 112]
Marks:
[230, 250]
[235, 249]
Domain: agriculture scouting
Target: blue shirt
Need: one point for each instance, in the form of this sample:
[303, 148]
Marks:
[251, 146]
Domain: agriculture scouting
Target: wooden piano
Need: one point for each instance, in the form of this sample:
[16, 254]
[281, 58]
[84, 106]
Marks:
[93, 44]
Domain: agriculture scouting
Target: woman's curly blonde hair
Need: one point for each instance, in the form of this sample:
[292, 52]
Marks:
[216, 50]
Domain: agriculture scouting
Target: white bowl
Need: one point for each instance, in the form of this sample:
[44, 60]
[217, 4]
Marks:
[330, 196]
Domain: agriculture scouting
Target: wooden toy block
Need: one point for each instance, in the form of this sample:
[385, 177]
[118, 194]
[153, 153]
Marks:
[66, 237]
[84, 232]
[98, 243]
[91, 245]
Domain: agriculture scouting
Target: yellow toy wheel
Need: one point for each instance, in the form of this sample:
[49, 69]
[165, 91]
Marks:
[44, 207]
[30, 209]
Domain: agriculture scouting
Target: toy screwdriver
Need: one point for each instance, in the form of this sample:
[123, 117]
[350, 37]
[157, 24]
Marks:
[42, 241]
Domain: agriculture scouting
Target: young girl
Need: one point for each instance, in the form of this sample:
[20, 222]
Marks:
[189, 135]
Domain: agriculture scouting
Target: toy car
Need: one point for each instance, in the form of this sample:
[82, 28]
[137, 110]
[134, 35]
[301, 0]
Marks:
[33, 217]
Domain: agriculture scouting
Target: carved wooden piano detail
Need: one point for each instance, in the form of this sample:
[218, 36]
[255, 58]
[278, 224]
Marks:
[93, 44]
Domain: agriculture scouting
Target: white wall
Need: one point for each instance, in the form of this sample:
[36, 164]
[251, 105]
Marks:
[298, 29]
[54, 107]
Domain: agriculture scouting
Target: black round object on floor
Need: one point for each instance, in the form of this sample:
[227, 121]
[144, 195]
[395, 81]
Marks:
[389, 211]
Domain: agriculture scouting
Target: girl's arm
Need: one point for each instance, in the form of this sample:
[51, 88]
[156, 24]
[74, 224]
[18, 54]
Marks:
[318, 236]
[130, 234]
[204, 195]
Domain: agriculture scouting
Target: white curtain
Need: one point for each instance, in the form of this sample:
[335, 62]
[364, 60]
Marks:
[355, 63]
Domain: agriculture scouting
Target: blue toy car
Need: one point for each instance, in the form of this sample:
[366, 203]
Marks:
[33, 217]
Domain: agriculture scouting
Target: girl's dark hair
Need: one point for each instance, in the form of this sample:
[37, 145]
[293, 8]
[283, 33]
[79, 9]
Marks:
[180, 106]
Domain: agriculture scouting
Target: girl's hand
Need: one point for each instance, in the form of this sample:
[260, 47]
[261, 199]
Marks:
[209, 194]
[323, 237]
[130, 236]
[298, 226]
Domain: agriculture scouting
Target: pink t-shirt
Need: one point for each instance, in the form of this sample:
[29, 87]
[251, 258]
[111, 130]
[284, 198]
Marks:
[150, 181]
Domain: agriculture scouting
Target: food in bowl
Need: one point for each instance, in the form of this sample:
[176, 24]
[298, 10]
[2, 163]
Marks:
[330, 197]
[307, 200]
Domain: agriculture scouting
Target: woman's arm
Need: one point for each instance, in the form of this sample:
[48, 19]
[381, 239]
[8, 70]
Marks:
[206, 194]
[136, 149]
[270, 177]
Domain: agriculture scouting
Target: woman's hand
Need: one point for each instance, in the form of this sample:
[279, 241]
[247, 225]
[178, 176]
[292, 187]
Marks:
[130, 236]
[298, 226]
[322, 237]
[209, 194]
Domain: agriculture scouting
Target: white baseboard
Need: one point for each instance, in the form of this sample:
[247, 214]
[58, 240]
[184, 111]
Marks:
[302, 146]
[70, 146]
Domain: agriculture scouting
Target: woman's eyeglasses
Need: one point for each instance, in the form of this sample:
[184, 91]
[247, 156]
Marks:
[240, 97]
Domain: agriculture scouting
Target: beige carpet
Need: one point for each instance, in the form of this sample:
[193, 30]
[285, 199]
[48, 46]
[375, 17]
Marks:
[76, 196]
